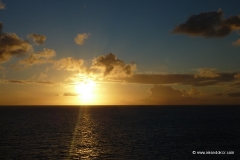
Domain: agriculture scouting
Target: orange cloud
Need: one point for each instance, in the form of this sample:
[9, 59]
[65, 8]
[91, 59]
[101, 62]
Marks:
[193, 92]
[2, 6]
[69, 64]
[237, 76]
[207, 73]
[81, 38]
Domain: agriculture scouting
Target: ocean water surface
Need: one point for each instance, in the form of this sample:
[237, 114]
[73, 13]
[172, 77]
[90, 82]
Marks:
[119, 132]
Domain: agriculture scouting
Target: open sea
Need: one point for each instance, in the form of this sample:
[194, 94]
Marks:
[119, 132]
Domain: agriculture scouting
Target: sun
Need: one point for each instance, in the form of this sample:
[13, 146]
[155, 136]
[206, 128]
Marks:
[85, 90]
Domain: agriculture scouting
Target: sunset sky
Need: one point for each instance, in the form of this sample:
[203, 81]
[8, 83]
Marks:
[122, 52]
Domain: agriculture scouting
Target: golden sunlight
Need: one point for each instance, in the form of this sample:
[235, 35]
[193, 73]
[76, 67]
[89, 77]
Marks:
[85, 90]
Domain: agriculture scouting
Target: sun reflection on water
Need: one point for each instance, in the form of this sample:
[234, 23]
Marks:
[85, 140]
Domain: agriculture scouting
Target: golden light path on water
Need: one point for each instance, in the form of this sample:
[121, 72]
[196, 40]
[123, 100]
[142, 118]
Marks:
[85, 140]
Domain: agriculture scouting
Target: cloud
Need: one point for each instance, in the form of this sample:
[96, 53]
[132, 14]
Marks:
[69, 64]
[11, 45]
[80, 38]
[164, 91]
[103, 66]
[109, 65]
[38, 58]
[2, 6]
[235, 94]
[209, 24]
[207, 73]
[237, 76]
[193, 92]
[183, 79]
[37, 38]
[1, 27]
[219, 94]
[237, 43]
[160, 94]
[70, 94]
[42, 76]
[235, 85]
[44, 82]
[10, 81]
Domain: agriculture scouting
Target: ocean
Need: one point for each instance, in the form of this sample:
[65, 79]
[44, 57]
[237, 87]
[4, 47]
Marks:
[119, 132]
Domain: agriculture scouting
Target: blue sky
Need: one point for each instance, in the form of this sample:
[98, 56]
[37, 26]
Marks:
[134, 31]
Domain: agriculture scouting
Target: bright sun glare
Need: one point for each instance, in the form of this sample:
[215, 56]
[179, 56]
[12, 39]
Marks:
[85, 90]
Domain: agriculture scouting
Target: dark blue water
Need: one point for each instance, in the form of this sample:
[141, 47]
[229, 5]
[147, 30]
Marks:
[119, 132]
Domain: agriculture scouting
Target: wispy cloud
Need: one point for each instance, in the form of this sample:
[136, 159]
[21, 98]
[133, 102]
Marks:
[193, 92]
[69, 64]
[70, 94]
[182, 79]
[38, 58]
[207, 73]
[209, 24]
[2, 6]
[37, 38]
[237, 43]
[235, 94]
[12, 81]
[81, 38]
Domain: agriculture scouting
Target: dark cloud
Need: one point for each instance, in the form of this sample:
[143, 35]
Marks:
[164, 91]
[5, 81]
[11, 45]
[209, 24]
[184, 79]
[235, 85]
[44, 82]
[37, 38]
[38, 58]
[109, 65]
[16, 81]
[1, 27]
[70, 94]
[219, 94]
[160, 94]
[235, 94]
